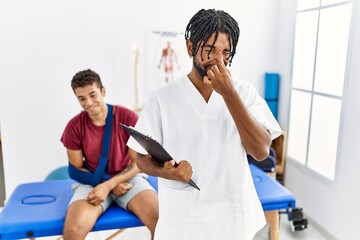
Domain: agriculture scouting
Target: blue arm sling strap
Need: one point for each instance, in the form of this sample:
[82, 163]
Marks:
[100, 174]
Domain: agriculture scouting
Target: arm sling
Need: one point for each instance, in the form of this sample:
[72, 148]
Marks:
[99, 175]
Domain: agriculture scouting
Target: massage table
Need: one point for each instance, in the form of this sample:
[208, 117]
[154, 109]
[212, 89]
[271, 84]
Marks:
[38, 209]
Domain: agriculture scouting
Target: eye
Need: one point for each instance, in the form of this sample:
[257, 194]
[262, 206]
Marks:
[209, 50]
[226, 53]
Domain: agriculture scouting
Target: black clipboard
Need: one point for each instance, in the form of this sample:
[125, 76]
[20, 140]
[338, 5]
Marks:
[153, 148]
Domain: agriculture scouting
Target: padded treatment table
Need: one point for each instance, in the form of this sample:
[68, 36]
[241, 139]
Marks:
[272, 195]
[38, 209]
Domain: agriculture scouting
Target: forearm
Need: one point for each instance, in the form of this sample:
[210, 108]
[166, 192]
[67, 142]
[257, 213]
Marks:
[255, 138]
[122, 177]
[148, 165]
[151, 167]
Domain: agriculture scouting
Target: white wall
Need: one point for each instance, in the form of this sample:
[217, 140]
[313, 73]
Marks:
[333, 206]
[44, 43]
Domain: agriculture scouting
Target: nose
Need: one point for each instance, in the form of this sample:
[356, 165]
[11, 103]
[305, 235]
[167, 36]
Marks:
[88, 102]
[218, 55]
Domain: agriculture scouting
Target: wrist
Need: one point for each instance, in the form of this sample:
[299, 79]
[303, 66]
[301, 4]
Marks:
[109, 185]
[230, 96]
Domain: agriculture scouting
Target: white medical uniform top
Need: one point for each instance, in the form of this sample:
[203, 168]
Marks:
[227, 206]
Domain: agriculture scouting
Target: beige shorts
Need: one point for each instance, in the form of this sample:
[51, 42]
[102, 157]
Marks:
[139, 182]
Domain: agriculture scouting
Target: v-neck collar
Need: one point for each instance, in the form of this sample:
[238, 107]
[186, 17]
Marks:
[196, 100]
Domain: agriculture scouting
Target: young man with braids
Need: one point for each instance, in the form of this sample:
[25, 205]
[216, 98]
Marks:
[207, 121]
[83, 138]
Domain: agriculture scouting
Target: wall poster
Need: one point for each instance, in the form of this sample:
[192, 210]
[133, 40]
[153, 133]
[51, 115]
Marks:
[166, 59]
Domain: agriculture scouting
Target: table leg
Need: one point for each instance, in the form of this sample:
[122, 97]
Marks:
[272, 218]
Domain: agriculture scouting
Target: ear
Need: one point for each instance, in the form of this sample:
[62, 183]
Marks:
[189, 46]
[103, 92]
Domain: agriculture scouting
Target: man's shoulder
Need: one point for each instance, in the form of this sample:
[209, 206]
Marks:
[78, 118]
[122, 110]
[125, 114]
[242, 85]
[75, 124]
[171, 86]
[238, 81]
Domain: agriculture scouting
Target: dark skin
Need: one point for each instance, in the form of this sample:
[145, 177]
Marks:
[214, 60]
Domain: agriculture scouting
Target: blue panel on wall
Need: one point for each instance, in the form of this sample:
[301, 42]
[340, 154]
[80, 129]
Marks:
[272, 82]
[273, 105]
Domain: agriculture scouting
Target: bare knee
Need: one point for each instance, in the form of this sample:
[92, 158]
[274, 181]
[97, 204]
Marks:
[80, 219]
[74, 230]
[145, 205]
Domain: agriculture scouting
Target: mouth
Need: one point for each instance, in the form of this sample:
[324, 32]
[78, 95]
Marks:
[90, 108]
[207, 66]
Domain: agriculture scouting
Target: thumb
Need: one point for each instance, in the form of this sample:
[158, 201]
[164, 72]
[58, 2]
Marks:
[169, 164]
[127, 185]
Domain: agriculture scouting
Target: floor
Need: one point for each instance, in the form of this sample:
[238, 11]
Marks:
[286, 232]
[142, 233]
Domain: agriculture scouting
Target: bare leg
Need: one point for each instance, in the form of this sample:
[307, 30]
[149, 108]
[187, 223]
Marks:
[145, 205]
[80, 219]
[272, 217]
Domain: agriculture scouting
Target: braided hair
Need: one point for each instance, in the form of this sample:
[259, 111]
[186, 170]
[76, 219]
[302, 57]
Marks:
[206, 22]
[85, 78]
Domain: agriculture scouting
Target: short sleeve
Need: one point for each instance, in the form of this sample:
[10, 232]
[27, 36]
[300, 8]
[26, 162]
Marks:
[131, 118]
[71, 136]
[259, 109]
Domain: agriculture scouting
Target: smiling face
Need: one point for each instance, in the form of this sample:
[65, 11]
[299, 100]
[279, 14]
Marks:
[210, 53]
[91, 99]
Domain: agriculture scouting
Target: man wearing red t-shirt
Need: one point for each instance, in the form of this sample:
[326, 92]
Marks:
[83, 138]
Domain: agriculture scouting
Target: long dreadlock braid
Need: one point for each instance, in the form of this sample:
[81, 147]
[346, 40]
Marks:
[205, 22]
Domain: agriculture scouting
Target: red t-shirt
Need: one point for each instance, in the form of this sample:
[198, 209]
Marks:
[81, 134]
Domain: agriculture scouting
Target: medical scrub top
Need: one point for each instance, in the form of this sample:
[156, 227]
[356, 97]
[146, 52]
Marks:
[227, 206]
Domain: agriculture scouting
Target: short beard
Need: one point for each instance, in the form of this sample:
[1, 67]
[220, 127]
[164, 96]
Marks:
[203, 70]
[199, 69]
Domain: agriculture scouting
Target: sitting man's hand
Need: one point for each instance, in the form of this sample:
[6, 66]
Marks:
[98, 194]
[122, 188]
